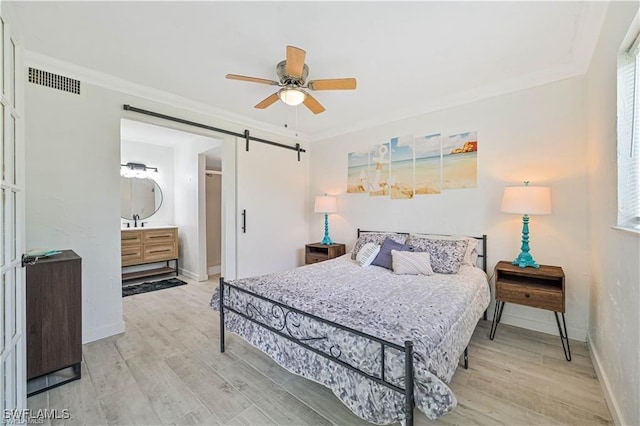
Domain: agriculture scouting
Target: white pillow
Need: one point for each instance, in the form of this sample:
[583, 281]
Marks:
[367, 254]
[411, 263]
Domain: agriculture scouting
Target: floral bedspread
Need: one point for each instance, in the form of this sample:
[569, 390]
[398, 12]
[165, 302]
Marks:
[438, 313]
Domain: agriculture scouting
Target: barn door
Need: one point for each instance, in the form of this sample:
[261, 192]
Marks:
[271, 206]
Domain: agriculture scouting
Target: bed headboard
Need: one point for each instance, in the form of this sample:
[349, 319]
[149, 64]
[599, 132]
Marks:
[482, 256]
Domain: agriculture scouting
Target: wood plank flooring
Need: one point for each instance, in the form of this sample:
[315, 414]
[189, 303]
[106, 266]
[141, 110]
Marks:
[167, 369]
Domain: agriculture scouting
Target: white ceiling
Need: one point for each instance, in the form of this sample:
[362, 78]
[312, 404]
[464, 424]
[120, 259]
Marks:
[409, 57]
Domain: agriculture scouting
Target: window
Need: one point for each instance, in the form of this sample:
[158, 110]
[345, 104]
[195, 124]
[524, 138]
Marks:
[629, 136]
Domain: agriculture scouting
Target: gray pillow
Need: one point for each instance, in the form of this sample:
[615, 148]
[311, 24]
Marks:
[384, 257]
[446, 255]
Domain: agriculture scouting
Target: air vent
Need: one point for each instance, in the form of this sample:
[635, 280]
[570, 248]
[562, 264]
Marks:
[54, 81]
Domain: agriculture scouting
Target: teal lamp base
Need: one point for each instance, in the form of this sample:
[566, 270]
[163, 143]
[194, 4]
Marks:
[525, 259]
[326, 240]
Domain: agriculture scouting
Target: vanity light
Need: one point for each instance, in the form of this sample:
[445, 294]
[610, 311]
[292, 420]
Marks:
[135, 170]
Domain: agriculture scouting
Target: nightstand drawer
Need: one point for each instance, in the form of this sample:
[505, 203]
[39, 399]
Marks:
[534, 296]
[315, 258]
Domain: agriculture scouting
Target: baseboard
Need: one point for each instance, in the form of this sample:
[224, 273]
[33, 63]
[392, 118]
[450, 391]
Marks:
[192, 275]
[102, 332]
[609, 395]
[215, 270]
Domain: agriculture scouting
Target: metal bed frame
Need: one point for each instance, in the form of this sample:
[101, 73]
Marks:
[287, 320]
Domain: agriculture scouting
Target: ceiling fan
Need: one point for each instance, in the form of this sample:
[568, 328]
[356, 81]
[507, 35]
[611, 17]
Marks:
[292, 74]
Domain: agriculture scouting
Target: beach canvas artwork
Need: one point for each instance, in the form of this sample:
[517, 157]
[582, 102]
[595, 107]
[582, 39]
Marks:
[357, 172]
[378, 176]
[401, 169]
[428, 164]
[460, 161]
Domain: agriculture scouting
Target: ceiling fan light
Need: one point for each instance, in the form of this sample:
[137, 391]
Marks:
[292, 97]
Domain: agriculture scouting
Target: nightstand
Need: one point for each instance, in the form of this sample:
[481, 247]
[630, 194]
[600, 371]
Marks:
[316, 252]
[536, 287]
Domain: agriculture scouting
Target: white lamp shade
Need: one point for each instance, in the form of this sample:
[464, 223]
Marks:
[533, 200]
[292, 97]
[326, 204]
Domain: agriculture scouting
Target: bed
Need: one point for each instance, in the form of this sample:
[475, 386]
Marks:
[381, 342]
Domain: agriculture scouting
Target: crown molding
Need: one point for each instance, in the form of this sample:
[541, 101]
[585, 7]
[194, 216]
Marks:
[108, 81]
[528, 81]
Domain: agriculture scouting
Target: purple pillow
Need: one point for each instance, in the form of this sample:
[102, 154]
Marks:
[384, 257]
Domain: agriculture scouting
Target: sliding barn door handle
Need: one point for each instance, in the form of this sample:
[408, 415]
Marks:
[244, 221]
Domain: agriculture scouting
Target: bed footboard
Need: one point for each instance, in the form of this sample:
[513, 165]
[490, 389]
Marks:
[286, 316]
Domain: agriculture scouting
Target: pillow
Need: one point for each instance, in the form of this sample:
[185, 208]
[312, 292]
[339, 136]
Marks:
[470, 255]
[446, 255]
[384, 257]
[367, 253]
[411, 263]
[375, 237]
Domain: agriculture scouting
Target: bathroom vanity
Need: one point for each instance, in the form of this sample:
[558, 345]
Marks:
[141, 246]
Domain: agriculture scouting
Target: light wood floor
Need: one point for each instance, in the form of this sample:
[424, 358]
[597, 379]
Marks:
[166, 369]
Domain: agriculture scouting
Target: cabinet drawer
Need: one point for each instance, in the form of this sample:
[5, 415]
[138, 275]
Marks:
[154, 236]
[315, 258]
[160, 252]
[131, 237]
[131, 255]
[535, 296]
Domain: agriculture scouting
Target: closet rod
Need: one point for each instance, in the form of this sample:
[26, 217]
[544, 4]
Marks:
[215, 129]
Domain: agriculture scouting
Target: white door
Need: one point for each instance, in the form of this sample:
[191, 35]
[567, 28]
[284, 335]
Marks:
[12, 236]
[271, 191]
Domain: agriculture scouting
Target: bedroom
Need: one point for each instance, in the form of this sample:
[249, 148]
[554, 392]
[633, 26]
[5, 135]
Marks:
[555, 129]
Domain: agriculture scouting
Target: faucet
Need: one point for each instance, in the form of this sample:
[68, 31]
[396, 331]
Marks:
[136, 217]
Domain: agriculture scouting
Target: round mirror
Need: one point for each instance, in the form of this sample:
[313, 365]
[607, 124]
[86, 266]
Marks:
[139, 196]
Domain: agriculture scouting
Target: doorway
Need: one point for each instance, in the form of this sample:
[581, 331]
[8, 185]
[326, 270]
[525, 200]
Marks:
[176, 162]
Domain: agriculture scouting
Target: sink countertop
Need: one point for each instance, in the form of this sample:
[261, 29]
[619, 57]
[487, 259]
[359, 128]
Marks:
[124, 228]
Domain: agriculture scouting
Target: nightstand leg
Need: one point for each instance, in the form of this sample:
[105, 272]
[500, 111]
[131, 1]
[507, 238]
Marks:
[466, 358]
[497, 316]
[564, 337]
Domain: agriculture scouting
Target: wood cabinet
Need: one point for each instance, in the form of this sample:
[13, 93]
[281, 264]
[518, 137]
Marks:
[143, 246]
[54, 321]
[541, 287]
[316, 252]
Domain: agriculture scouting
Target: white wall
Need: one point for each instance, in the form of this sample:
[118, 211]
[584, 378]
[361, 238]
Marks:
[73, 192]
[614, 321]
[161, 157]
[190, 212]
[536, 134]
[73, 184]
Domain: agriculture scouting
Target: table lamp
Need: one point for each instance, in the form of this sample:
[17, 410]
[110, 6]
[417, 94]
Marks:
[326, 204]
[526, 200]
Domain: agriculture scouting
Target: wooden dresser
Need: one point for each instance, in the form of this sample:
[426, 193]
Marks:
[54, 321]
[142, 246]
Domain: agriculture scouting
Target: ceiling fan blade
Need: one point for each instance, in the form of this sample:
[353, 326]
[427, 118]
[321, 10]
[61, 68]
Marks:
[251, 79]
[311, 103]
[267, 101]
[333, 84]
[295, 61]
